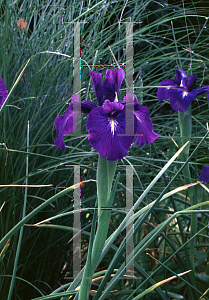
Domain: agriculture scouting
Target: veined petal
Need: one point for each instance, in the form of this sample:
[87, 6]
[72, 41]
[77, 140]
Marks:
[97, 83]
[112, 83]
[143, 125]
[191, 83]
[180, 81]
[64, 124]
[181, 78]
[202, 90]
[104, 130]
[3, 92]
[204, 174]
[163, 93]
[181, 99]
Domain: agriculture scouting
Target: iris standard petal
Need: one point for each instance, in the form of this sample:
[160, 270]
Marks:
[181, 78]
[104, 130]
[143, 125]
[3, 92]
[163, 93]
[97, 83]
[112, 83]
[191, 83]
[204, 174]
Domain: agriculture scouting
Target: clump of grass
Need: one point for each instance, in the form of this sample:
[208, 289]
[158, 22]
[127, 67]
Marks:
[166, 37]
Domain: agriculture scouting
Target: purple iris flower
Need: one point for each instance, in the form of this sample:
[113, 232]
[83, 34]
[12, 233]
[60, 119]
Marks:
[204, 174]
[107, 122]
[3, 92]
[181, 91]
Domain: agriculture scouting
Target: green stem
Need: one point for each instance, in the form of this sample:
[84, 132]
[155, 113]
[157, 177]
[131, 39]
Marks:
[105, 174]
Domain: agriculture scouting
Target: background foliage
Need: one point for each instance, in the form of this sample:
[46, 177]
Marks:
[167, 35]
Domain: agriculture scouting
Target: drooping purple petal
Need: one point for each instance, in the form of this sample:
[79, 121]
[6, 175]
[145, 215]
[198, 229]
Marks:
[204, 174]
[97, 83]
[163, 93]
[191, 83]
[202, 90]
[143, 126]
[104, 130]
[112, 83]
[64, 124]
[3, 92]
[180, 99]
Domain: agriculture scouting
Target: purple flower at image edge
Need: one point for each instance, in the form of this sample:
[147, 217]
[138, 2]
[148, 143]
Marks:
[204, 174]
[180, 91]
[3, 92]
[107, 121]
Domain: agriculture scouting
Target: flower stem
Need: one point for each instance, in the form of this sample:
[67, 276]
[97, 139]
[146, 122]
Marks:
[105, 174]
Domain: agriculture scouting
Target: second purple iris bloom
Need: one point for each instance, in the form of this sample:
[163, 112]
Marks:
[180, 91]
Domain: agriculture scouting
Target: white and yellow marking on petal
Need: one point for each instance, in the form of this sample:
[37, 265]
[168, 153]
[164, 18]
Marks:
[113, 123]
[184, 94]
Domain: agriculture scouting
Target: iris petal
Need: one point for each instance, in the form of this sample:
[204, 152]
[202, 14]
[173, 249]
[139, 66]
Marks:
[191, 84]
[112, 83]
[87, 106]
[97, 83]
[64, 123]
[111, 107]
[104, 130]
[163, 93]
[204, 174]
[180, 99]
[181, 78]
[3, 92]
[143, 125]
[202, 90]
